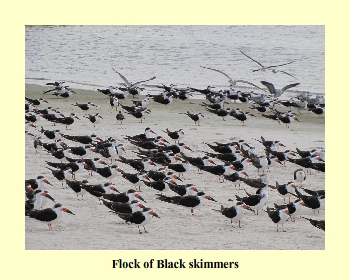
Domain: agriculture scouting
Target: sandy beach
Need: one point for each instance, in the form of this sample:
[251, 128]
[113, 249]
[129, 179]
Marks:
[94, 227]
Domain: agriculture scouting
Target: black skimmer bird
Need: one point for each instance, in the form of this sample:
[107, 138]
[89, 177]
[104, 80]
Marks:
[148, 144]
[39, 182]
[124, 197]
[214, 106]
[40, 198]
[85, 106]
[219, 170]
[235, 213]
[81, 151]
[191, 201]
[242, 164]
[76, 166]
[57, 86]
[161, 186]
[182, 190]
[50, 146]
[111, 152]
[60, 153]
[273, 145]
[135, 178]
[99, 189]
[319, 111]
[139, 218]
[51, 134]
[277, 92]
[316, 203]
[120, 117]
[294, 208]
[142, 136]
[233, 83]
[282, 156]
[36, 102]
[321, 224]
[261, 182]
[255, 201]
[49, 215]
[272, 160]
[222, 149]
[138, 164]
[114, 101]
[121, 207]
[198, 161]
[260, 162]
[180, 168]
[220, 112]
[91, 163]
[161, 174]
[176, 149]
[108, 91]
[78, 187]
[53, 116]
[83, 139]
[162, 157]
[308, 162]
[62, 174]
[140, 114]
[306, 154]
[236, 177]
[261, 109]
[94, 119]
[262, 67]
[108, 172]
[33, 118]
[29, 124]
[227, 157]
[65, 94]
[285, 190]
[176, 135]
[279, 216]
[195, 117]
[299, 176]
[66, 120]
[315, 192]
[143, 103]
[242, 116]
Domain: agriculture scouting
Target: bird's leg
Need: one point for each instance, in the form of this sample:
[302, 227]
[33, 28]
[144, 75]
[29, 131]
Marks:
[145, 229]
[192, 211]
[283, 228]
[277, 227]
[139, 229]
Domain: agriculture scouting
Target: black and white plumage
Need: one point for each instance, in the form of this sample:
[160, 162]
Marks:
[51, 134]
[94, 119]
[37, 101]
[161, 186]
[236, 177]
[49, 215]
[83, 139]
[62, 174]
[176, 135]
[299, 176]
[120, 117]
[108, 172]
[84, 106]
[39, 182]
[321, 224]
[256, 201]
[195, 117]
[285, 190]
[219, 170]
[316, 203]
[123, 197]
[138, 164]
[124, 207]
[294, 208]
[78, 187]
[279, 216]
[41, 198]
[190, 201]
[235, 213]
[139, 218]
[66, 120]
[182, 190]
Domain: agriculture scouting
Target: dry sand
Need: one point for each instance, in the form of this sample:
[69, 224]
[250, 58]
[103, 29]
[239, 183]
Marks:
[93, 227]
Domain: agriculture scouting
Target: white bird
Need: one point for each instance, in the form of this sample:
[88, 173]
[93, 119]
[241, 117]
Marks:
[277, 92]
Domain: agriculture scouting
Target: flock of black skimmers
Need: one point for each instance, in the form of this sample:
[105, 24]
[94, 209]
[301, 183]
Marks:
[159, 160]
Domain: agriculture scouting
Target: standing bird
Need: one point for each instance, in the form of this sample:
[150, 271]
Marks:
[277, 92]
[49, 215]
[294, 208]
[235, 213]
[176, 135]
[139, 218]
[279, 216]
[187, 201]
[120, 117]
[195, 117]
[299, 176]
[62, 174]
[114, 101]
[285, 190]
[256, 201]
[51, 134]
[108, 172]
[94, 119]
[219, 170]
[66, 120]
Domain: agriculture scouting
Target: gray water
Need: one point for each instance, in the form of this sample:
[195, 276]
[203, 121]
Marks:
[83, 56]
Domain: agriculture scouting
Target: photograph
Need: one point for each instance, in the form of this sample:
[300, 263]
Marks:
[174, 137]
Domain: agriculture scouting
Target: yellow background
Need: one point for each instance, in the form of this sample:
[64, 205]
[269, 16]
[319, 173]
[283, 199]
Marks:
[16, 262]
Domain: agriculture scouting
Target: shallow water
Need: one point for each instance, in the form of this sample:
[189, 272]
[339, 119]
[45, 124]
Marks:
[84, 56]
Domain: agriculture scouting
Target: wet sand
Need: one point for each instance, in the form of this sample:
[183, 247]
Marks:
[93, 227]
